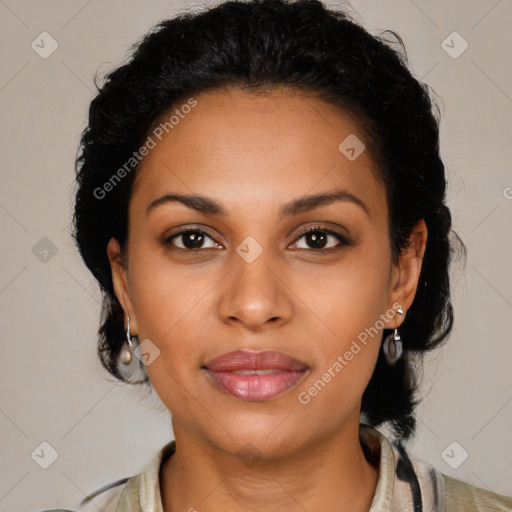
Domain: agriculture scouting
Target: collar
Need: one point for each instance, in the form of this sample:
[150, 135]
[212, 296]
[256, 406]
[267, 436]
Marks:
[404, 483]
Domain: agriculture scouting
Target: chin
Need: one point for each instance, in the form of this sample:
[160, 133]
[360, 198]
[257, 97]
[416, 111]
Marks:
[261, 436]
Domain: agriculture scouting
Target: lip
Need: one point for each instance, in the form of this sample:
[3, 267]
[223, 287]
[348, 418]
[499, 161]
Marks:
[255, 376]
[250, 360]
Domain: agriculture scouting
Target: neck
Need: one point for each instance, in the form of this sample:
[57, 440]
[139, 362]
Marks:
[329, 475]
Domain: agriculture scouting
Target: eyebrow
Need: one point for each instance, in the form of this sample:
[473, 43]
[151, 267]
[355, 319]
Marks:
[209, 206]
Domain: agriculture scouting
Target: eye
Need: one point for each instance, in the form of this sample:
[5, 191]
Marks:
[318, 237]
[191, 239]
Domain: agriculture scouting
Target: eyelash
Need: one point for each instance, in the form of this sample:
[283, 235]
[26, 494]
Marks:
[311, 229]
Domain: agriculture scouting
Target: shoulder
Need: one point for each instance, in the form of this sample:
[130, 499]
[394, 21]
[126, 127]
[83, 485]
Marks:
[134, 493]
[104, 499]
[440, 492]
[463, 496]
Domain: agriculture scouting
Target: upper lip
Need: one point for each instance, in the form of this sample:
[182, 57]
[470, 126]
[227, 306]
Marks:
[248, 360]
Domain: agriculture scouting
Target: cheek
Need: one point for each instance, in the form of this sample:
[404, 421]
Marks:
[347, 352]
[353, 308]
[167, 308]
[171, 305]
[162, 293]
[356, 293]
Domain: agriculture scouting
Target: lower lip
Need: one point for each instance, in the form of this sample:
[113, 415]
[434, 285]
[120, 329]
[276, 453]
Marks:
[254, 387]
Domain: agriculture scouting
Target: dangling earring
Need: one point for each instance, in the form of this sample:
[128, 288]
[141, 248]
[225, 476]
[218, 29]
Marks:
[392, 346]
[126, 352]
[129, 364]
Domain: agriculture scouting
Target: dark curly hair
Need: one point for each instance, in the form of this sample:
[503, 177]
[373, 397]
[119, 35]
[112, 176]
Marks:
[259, 45]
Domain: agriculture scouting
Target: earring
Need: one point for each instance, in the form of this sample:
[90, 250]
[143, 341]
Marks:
[126, 355]
[392, 346]
[129, 364]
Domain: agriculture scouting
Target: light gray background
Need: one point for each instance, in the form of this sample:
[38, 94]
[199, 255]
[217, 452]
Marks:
[53, 388]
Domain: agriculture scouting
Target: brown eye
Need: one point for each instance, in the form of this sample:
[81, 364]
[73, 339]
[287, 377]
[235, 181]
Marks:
[318, 238]
[191, 239]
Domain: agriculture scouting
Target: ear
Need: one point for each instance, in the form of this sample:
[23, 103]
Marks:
[406, 274]
[120, 282]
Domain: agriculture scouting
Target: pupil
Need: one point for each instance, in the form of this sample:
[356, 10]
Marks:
[192, 240]
[315, 238]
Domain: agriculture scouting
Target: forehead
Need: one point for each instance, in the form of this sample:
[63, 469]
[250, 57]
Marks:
[244, 146]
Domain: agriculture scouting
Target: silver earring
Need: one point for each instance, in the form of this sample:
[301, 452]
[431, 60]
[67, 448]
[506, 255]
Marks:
[392, 346]
[126, 355]
[129, 364]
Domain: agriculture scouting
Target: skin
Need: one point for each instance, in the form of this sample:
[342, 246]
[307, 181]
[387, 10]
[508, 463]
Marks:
[253, 153]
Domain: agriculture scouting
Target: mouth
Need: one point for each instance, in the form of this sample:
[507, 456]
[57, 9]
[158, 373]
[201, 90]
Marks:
[255, 376]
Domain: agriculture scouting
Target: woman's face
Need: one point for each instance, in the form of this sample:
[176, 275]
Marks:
[249, 279]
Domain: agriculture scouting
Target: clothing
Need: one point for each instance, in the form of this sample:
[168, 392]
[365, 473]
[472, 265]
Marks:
[405, 484]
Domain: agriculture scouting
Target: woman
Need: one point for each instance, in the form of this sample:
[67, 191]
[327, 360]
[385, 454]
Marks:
[261, 198]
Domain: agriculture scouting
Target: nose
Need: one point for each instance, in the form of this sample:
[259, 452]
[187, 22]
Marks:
[255, 294]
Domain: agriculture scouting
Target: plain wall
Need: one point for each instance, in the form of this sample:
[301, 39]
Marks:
[53, 388]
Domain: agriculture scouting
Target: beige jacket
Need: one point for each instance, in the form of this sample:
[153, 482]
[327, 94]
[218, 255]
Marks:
[405, 484]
